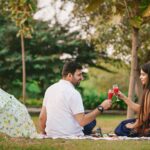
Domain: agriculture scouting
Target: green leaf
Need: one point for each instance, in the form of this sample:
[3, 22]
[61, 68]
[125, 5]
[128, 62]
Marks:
[136, 21]
[147, 12]
[115, 19]
[33, 86]
[94, 5]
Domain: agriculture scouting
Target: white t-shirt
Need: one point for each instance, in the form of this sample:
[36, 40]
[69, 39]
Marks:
[62, 102]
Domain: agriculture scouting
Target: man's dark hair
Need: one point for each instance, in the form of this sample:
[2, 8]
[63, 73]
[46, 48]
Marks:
[70, 67]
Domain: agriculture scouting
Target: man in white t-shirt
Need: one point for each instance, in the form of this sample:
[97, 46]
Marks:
[62, 113]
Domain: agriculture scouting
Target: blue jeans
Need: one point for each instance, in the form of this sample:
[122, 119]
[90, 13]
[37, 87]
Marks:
[122, 130]
[87, 129]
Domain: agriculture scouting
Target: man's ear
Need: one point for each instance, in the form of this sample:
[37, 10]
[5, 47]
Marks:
[69, 75]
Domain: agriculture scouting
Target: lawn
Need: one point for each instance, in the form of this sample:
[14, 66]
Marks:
[107, 123]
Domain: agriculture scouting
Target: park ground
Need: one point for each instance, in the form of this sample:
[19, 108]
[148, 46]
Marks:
[106, 122]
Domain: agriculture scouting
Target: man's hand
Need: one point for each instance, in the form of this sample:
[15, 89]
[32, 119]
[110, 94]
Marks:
[84, 119]
[42, 120]
[43, 132]
[106, 104]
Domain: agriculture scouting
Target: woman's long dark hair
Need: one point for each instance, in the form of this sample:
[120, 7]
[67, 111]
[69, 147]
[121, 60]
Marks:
[144, 115]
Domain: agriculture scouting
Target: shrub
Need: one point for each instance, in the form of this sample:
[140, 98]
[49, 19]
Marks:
[33, 89]
[34, 103]
[91, 100]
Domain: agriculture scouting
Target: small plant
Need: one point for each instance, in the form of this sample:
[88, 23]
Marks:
[34, 103]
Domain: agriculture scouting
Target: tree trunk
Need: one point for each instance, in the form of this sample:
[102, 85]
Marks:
[134, 68]
[23, 70]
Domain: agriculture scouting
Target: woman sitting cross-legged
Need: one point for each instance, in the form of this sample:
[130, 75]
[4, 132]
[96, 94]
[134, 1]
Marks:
[140, 126]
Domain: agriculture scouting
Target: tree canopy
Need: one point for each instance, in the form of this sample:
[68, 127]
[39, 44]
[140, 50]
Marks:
[46, 52]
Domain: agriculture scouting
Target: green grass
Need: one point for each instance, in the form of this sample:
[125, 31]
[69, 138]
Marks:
[107, 123]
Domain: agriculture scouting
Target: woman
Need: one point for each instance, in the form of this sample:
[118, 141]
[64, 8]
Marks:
[14, 118]
[141, 125]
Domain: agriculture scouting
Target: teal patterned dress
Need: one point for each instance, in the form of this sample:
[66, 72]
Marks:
[15, 120]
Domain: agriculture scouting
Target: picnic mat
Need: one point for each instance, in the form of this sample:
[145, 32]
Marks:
[106, 137]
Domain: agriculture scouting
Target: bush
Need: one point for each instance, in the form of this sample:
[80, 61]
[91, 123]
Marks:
[118, 105]
[33, 89]
[34, 103]
[91, 100]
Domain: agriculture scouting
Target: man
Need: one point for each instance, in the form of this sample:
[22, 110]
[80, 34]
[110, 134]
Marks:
[62, 113]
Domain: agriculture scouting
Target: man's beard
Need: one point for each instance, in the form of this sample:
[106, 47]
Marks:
[76, 84]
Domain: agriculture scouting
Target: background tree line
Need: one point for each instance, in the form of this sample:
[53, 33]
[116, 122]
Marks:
[43, 56]
[116, 24]
[119, 24]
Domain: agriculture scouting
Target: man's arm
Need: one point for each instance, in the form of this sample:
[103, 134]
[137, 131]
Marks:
[42, 119]
[84, 119]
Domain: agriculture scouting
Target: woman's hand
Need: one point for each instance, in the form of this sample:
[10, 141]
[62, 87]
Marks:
[130, 125]
[121, 96]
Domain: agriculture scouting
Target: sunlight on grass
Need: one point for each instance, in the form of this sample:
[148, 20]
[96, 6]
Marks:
[109, 122]
[106, 122]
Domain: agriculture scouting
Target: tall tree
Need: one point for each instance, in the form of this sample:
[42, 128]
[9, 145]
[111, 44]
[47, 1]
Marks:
[132, 14]
[21, 12]
[46, 53]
